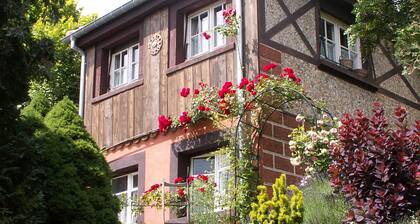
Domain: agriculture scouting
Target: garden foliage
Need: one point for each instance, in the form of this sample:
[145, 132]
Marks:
[280, 208]
[375, 166]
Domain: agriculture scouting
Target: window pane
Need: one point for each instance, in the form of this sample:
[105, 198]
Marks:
[119, 184]
[135, 52]
[322, 28]
[323, 50]
[124, 58]
[218, 16]
[203, 165]
[330, 31]
[353, 58]
[135, 180]
[330, 51]
[344, 53]
[223, 181]
[117, 61]
[124, 75]
[194, 26]
[343, 38]
[204, 20]
[116, 78]
[134, 71]
[194, 45]
[123, 213]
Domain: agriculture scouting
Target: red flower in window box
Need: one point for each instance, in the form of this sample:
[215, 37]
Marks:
[179, 180]
[201, 189]
[190, 179]
[290, 74]
[196, 91]
[269, 67]
[202, 177]
[184, 118]
[243, 83]
[201, 108]
[164, 123]
[261, 76]
[185, 92]
[181, 192]
[206, 35]
[152, 188]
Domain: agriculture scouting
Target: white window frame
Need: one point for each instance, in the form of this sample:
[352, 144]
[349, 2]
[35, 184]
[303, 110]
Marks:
[127, 216]
[210, 9]
[216, 173]
[357, 63]
[129, 66]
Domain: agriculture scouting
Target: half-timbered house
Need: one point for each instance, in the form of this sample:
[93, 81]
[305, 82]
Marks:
[136, 59]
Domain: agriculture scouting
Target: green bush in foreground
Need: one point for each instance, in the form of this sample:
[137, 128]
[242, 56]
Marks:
[281, 208]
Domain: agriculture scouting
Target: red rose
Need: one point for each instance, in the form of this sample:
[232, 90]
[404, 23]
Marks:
[290, 74]
[152, 188]
[227, 85]
[181, 192]
[250, 87]
[164, 123]
[201, 108]
[185, 92]
[226, 89]
[269, 67]
[190, 179]
[261, 76]
[203, 177]
[179, 180]
[243, 83]
[196, 91]
[206, 35]
[207, 109]
[184, 118]
[201, 189]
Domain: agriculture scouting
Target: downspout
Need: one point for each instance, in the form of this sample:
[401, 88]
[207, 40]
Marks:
[74, 46]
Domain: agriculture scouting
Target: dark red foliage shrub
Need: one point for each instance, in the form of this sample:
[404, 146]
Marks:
[375, 167]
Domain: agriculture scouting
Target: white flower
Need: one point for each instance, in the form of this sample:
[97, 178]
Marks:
[333, 143]
[295, 161]
[292, 147]
[335, 119]
[309, 170]
[320, 122]
[333, 130]
[314, 135]
[306, 152]
[325, 140]
[339, 124]
[292, 143]
[324, 133]
[324, 151]
[325, 116]
[309, 146]
[300, 118]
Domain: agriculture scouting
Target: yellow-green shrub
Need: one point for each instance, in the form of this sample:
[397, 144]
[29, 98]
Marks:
[281, 208]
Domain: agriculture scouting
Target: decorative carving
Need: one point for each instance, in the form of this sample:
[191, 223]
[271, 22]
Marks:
[155, 44]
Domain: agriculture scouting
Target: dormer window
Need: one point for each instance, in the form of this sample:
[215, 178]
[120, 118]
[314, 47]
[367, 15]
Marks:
[124, 66]
[335, 44]
[200, 23]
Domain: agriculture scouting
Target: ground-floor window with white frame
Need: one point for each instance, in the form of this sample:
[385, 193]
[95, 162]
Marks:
[125, 188]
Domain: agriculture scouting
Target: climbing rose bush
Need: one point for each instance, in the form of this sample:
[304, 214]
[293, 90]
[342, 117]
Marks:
[377, 167]
[310, 146]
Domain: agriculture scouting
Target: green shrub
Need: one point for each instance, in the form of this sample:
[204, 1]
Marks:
[321, 204]
[281, 208]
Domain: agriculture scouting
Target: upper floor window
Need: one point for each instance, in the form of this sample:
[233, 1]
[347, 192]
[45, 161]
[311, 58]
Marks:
[125, 188]
[202, 23]
[124, 66]
[335, 44]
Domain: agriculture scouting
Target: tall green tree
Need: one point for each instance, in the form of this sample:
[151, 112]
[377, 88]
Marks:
[63, 77]
[393, 21]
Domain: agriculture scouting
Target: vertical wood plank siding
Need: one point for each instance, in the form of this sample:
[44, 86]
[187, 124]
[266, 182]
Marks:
[135, 111]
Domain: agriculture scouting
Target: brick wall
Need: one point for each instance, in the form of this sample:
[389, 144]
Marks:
[274, 149]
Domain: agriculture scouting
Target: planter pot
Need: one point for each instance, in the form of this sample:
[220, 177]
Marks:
[346, 63]
[362, 72]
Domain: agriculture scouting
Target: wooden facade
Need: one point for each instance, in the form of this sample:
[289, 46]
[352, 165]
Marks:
[133, 112]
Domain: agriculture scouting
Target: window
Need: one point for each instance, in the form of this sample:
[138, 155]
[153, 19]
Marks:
[335, 42]
[125, 188]
[214, 166]
[124, 66]
[205, 20]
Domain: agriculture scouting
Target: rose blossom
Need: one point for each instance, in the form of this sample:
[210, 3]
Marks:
[181, 192]
[185, 92]
[179, 180]
[164, 123]
[324, 151]
[184, 118]
[295, 161]
[201, 189]
[190, 179]
[309, 146]
[333, 130]
[206, 35]
[269, 67]
[196, 91]
[300, 118]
